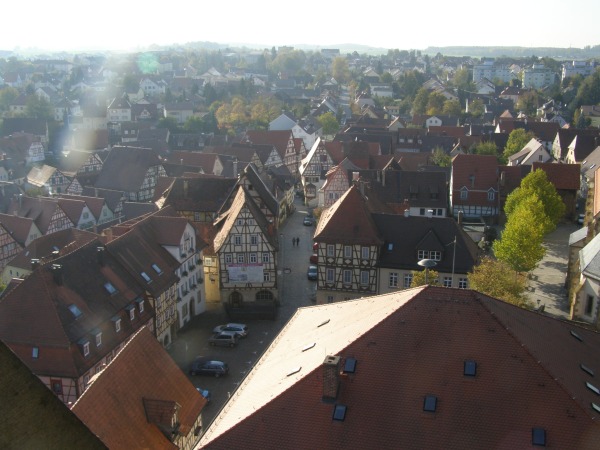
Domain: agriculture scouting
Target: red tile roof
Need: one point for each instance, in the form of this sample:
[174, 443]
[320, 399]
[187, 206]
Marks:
[409, 345]
[278, 138]
[562, 176]
[113, 405]
[348, 221]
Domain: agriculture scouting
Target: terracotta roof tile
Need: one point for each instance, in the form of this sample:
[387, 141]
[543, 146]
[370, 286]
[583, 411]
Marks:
[562, 176]
[142, 373]
[408, 345]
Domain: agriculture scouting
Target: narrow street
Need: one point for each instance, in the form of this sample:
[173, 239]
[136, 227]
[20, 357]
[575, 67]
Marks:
[295, 292]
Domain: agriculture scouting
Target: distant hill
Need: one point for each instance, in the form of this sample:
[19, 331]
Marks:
[517, 52]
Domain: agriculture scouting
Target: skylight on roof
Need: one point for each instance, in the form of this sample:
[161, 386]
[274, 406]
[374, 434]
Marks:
[390, 246]
[586, 369]
[75, 311]
[309, 346]
[157, 269]
[109, 287]
[430, 403]
[576, 336]
[470, 368]
[325, 322]
[592, 388]
[350, 365]
[538, 436]
[146, 277]
[339, 412]
[596, 407]
[294, 370]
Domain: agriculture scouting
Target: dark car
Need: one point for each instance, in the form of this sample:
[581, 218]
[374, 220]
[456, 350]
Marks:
[312, 273]
[308, 221]
[203, 366]
[224, 339]
[314, 258]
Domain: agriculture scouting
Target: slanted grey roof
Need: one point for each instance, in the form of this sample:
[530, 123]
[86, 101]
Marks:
[589, 259]
[577, 236]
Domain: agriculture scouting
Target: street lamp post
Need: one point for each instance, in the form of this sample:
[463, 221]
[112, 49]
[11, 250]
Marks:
[427, 263]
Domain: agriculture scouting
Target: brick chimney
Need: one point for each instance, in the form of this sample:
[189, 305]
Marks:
[331, 381]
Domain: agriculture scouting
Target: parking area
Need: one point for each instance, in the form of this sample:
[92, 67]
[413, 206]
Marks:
[296, 291]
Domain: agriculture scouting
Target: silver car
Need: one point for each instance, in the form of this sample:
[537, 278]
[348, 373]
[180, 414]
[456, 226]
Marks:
[239, 328]
[223, 339]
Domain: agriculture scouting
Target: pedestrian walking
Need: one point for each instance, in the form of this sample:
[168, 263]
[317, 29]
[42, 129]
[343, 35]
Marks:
[293, 242]
[297, 241]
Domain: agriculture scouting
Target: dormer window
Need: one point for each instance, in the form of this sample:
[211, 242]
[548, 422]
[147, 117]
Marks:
[35, 352]
[140, 302]
[491, 195]
[84, 344]
[117, 321]
[131, 310]
[464, 193]
[98, 339]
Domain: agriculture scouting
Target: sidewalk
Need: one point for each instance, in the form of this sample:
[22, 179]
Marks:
[547, 281]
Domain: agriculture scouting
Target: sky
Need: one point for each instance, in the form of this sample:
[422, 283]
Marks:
[126, 25]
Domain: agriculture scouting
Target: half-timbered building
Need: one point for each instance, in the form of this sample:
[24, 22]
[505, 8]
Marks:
[282, 140]
[86, 308]
[348, 250]
[313, 168]
[46, 213]
[336, 183]
[246, 245]
[133, 171]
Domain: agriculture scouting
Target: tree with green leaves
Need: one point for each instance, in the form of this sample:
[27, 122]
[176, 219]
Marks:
[485, 148]
[340, 69]
[536, 184]
[418, 278]
[517, 139]
[441, 158]
[329, 123]
[496, 279]
[520, 245]
[528, 102]
[7, 95]
[420, 103]
[168, 122]
[452, 108]
[435, 103]
[38, 107]
[476, 108]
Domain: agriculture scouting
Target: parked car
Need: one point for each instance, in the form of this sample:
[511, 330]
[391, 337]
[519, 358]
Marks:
[314, 258]
[308, 221]
[239, 328]
[204, 393]
[312, 273]
[208, 366]
[223, 339]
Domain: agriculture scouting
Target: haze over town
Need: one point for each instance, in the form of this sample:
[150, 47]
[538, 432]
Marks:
[65, 25]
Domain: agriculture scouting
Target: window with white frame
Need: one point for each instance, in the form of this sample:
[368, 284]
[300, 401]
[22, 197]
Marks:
[393, 281]
[364, 277]
[86, 348]
[240, 258]
[132, 314]
[407, 280]
[118, 325]
[98, 339]
[347, 277]
[254, 239]
[464, 193]
[265, 257]
[436, 255]
[228, 258]
[141, 305]
[329, 275]
[422, 254]
[253, 258]
[266, 276]
[447, 282]
[330, 250]
[237, 239]
[462, 283]
[239, 222]
[347, 251]
[365, 252]
[491, 195]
